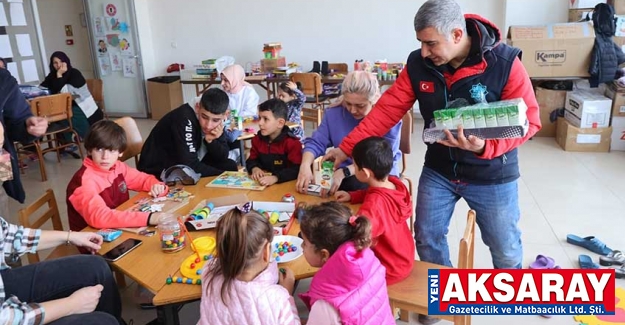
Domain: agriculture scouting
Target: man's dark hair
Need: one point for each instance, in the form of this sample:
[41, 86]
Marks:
[215, 101]
[376, 154]
[276, 106]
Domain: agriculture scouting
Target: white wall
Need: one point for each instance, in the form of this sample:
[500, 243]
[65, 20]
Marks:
[535, 12]
[53, 16]
[188, 31]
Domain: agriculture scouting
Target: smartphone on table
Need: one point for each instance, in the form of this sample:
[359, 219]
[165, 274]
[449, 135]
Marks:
[122, 249]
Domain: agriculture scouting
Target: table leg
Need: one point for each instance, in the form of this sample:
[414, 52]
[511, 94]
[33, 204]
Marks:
[197, 90]
[167, 315]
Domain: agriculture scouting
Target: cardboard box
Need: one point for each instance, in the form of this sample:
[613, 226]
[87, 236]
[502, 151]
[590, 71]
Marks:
[571, 138]
[164, 95]
[268, 65]
[556, 50]
[618, 5]
[618, 134]
[577, 15]
[587, 109]
[617, 94]
[576, 4]
[548, 100]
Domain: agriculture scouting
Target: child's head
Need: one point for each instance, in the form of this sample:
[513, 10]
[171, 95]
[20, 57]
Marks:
[105, 142]
[327, 226]
[272, 117]
[233, 78]
[373, 158]
[285, 93]
[212, 109]
[243, 241]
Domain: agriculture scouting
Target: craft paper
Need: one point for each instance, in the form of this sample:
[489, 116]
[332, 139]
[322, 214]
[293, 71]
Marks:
[112, 24]
[17, 14]
[116, 61]
[3, 17]
[124, 47]
[113, 40]
[99, 26]
[23, 44]
[29, 69]
[130, 67]
[123, 28]
[5, 47]
[110, 10]
[105, 65]
[100, 44]
[12, 67]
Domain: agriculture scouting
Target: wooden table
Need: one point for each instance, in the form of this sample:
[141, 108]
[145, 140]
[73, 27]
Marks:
[201, 85]
[149, 266]
[273, 82]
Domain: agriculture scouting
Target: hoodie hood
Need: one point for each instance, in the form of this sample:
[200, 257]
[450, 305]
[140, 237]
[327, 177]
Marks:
[489, 34]
[401, 209]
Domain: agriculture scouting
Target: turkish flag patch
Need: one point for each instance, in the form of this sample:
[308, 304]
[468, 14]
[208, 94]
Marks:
[426, 86]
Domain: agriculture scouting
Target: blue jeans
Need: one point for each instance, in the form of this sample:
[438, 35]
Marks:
[59, 278]
[497, 212]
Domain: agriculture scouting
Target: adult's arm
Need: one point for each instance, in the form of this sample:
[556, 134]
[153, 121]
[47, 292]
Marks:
[15, 109]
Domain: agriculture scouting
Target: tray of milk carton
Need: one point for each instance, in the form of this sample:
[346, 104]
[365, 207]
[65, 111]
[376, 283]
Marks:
[504, 119]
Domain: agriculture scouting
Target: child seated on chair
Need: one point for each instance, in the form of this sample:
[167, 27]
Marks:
[387, 203]
[275, 149]
[350, 287]
[103, 182]
[295, 99]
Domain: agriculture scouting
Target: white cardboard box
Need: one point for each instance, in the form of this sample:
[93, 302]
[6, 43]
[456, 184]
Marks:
[575, 4]
[587, 109]
[618, 134]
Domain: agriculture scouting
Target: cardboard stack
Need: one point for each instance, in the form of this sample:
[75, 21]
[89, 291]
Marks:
[272, 59]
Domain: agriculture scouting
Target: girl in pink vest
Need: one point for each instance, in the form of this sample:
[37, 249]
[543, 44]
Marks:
[350, 287]
[239, 286]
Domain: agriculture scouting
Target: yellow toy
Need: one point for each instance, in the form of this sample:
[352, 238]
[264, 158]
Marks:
[191, 268]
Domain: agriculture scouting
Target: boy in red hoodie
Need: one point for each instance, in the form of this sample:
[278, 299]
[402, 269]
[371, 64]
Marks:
[387, 203]
[103, 182]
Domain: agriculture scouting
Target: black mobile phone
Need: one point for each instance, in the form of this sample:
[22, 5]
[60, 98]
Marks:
[122, 249]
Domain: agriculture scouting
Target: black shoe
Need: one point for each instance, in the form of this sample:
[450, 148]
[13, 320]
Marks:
[427, 320]
[316, 67]
[325, 69]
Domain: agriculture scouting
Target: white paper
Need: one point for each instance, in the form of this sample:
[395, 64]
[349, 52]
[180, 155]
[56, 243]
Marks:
[17, 14]
[129, 67]
[12, 67]
[105, 65]
[116, 61]
[23, 44]
[20, 1]
[3, 17]
[5, 47]
[29, 69]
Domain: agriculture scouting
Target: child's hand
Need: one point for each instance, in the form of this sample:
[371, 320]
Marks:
[291, 85]
[257, 174]
[286, 278]
[156, 217]
[158, 190]
[342, 196]
[268, 180]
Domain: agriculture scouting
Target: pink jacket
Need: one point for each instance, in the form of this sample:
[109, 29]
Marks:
[354, 283]
[258, 302]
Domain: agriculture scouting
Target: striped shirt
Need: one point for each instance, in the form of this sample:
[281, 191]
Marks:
[16, 241]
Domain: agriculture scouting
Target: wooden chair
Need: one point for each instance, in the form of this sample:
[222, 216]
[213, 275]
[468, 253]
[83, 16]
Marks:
[405, 148]
[96, 89]
[51, 213]
[338, 67]
[412, 293]
[55, 108]
[133, 139]
[311, 87]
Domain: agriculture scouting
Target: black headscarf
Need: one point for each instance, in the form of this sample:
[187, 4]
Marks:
[3, 61]
[71, 76]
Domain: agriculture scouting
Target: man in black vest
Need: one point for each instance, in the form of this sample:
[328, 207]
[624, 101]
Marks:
[461, 57]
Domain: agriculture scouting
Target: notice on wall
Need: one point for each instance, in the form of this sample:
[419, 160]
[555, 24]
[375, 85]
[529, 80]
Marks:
[29, 69]
[18, 18]
[12, 67]
[5, 47]
[23, 44]
[3, 17]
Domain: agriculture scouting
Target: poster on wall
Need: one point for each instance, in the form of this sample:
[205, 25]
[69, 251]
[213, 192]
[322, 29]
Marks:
[110, 10]
[112, 40]
[105, 65]
[101, 46]
[112, 24]
[116, 61]
[124, 47]
[129, 67]
[99, 24]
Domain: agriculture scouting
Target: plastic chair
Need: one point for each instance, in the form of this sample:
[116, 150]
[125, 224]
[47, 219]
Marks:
[133, 139]
[412, 294]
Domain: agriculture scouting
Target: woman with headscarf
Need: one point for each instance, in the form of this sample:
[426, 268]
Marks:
[243, 97]
[63, 78]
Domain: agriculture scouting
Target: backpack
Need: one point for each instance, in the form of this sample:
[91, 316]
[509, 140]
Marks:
[603, 20]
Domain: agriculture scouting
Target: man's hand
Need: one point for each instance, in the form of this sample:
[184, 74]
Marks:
[472, 143]
[36, 125]
[257, 174]
[214, 133]
[337, 155]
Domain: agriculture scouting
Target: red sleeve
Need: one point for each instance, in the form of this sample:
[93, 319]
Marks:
[386, 113]
[518, 86]
[369, 210]
[295, 151]
[139, 181]
[357, 197]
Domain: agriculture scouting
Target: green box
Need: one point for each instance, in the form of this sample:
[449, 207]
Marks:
[502, 116]
[478, 118]
[490, 116]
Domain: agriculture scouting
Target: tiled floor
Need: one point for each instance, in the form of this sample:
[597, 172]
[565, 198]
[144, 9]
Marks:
[560, 193]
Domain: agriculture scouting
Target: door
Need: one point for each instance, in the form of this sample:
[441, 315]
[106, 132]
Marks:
[117, 56]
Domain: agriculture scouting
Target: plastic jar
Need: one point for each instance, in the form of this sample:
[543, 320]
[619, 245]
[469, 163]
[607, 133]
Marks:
[172, 235]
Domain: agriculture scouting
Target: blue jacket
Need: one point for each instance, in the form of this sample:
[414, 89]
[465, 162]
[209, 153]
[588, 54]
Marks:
[14, 111]
[335, 125]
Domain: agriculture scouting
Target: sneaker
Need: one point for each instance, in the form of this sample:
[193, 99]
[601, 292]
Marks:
[427, 320]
